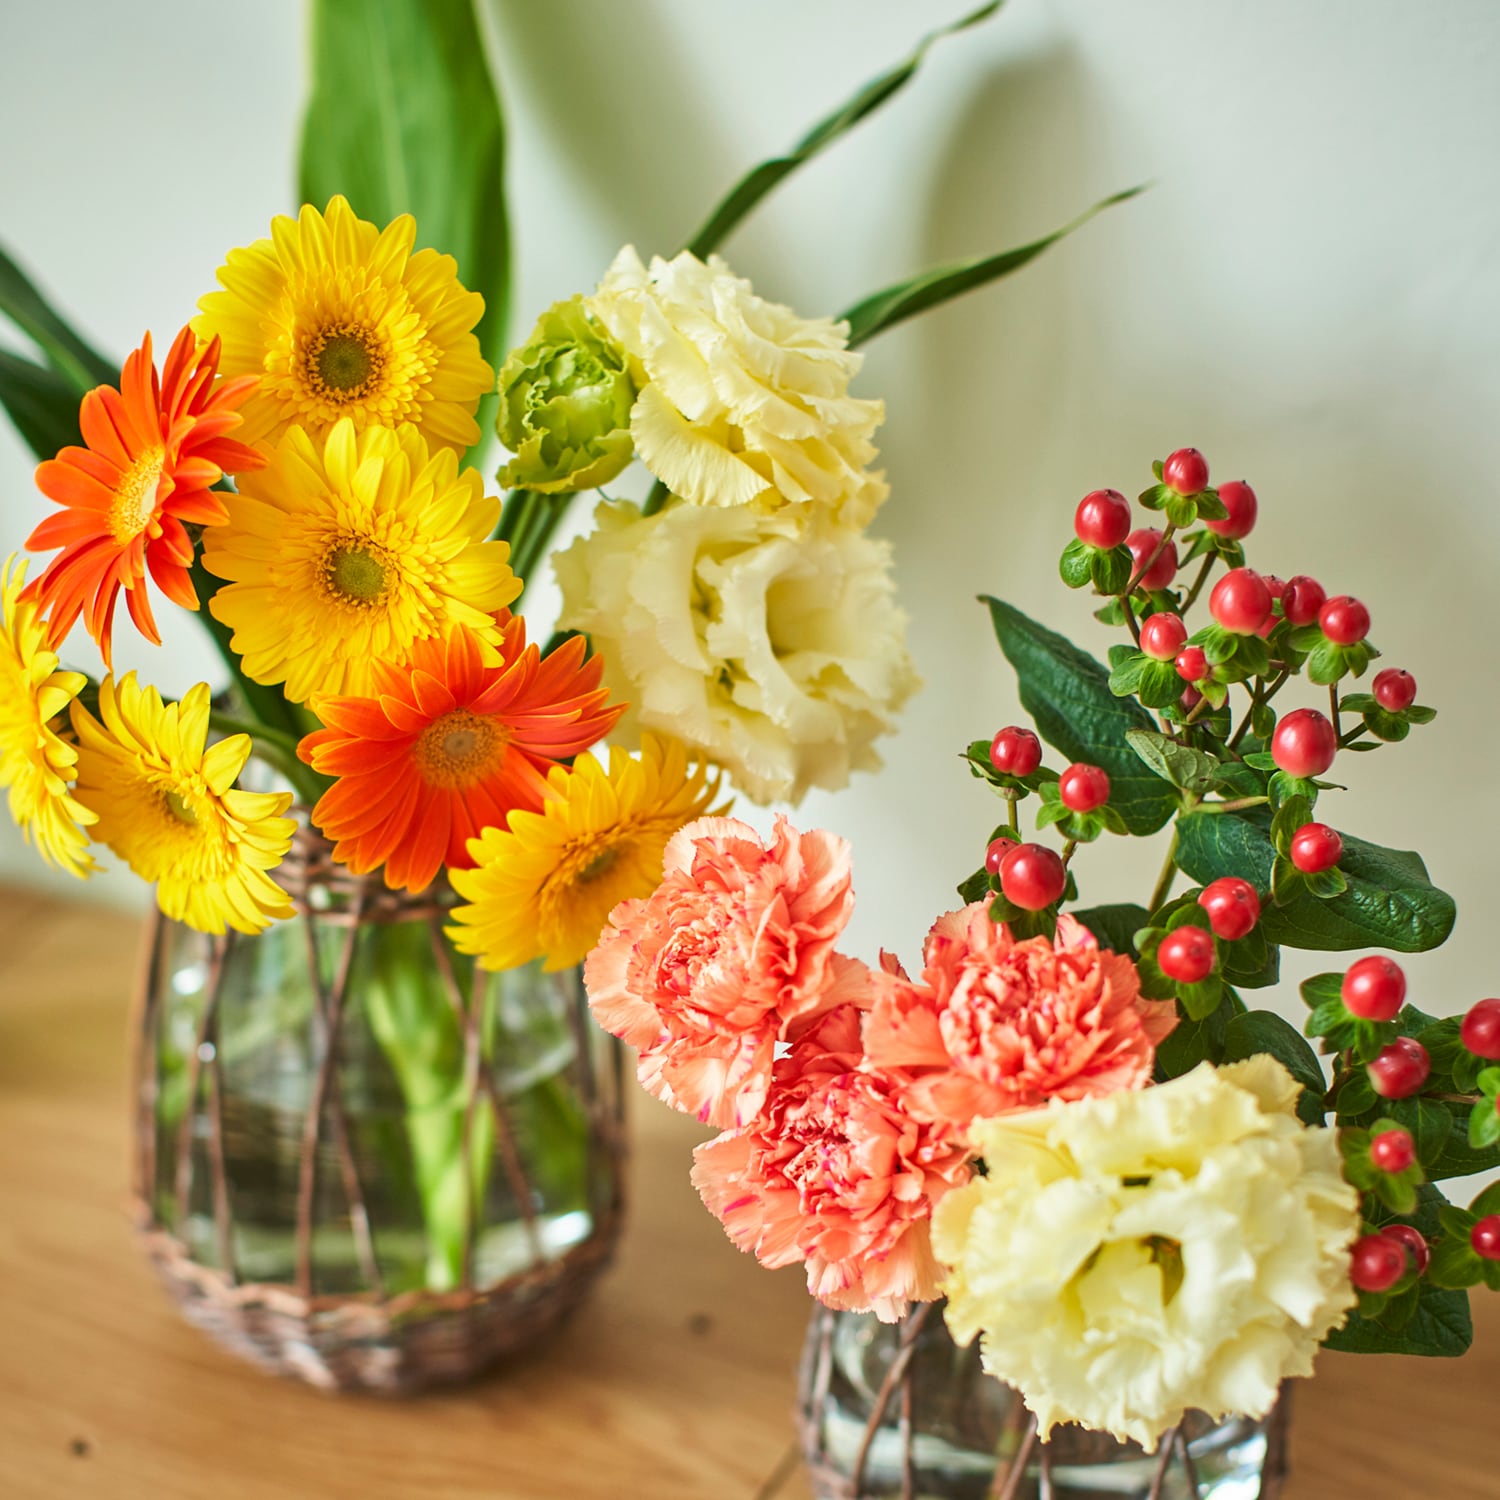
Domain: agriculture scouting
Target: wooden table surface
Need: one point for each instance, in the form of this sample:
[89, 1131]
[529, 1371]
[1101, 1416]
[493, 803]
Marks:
[674, 1382]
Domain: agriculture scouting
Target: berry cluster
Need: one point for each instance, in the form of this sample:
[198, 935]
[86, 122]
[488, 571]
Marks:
[1414, 1098]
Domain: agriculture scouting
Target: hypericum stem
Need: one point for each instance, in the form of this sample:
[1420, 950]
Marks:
[1199, 581]
[1259, 699]
[1333, 707]
[1135, 578]
[656, 499]
[1168, 875]
[1012, 816]
[1353, 737]
[1069, 849]
[1237, 805]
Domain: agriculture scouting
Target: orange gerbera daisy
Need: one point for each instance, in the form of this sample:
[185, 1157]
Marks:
[155, 448]
[447, 746]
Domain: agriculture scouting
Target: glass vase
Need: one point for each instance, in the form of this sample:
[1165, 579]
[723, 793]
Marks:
[900, 1410]
[358, 1158]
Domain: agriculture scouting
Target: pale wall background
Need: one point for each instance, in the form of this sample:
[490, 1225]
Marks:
[1308, 293]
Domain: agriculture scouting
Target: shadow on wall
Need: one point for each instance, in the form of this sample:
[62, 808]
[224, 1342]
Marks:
[621, 110]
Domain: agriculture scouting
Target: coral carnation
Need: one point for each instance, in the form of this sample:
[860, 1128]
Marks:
[835, 1173]
[447, 747]
[998, 1025]
[155, 448]
[732, 953]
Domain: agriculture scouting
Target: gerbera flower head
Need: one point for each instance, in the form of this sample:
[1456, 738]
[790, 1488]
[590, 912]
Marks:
[36, 762]
[545, 886]
[156, 447]
[166, 803]
[343, 553]
[340, 319]
[447, 746]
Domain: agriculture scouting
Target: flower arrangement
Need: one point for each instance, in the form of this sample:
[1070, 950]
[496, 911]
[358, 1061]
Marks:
[1142, 1196]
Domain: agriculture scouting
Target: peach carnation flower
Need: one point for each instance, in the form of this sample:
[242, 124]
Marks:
[732, 953]
[836, 1173]
[998, 1025]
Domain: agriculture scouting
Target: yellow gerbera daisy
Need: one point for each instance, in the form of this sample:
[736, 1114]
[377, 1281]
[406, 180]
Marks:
[167, 805]
[341, 556]
[36, 763]
[341, 319]
[545, 887]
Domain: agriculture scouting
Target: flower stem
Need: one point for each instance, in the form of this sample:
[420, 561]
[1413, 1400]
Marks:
[1199, 581]
[1168, 875]
[656, 499]
[1333, 707]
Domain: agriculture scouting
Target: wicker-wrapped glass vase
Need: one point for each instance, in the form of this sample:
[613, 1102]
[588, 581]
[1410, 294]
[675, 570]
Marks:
[360, 1160]
[899, 1410]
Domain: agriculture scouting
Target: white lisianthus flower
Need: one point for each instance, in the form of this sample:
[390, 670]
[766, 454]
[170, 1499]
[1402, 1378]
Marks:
[740, 400]
[1136, 1255]
[769, 641]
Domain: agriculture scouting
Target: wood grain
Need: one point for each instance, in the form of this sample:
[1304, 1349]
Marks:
[674, 1382]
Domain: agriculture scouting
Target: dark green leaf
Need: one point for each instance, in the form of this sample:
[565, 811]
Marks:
[1356, 1096]
[1067, 693]
[1419, 714]
[975, 888]
[1389, 903]
[1110, 568]
[1252, 962]
[884, 309]
[1075, 566]
[1440, 1328]
[1386, 726]
[80, 366]
[1201, 999]
[404, 118]
[41, 403]
[760, 180]
[1115, 927]
[1181, 765]
[1264, 1031]
[1429, 1122]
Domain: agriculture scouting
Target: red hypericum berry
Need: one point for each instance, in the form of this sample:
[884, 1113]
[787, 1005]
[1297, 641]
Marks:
[1185, 471]
[1304, 743]
[1032, 876]
[1015, 751]
[1240, 602]
[1239, 500]
[1082, 788]
[1485, 1237]
[1411, 1237]
[997, 851]
[1393, 1150]
[1162, 636]
[1192, 664]
[1394, 689]
[1277, 588]
[1233, 907]
[1143, 543]
[1102, 518]
[1400, 1069]
[1377, 1263]
[1186, 955]
[1480, 1032]
[1316, 846]
[1303, 599]
[1344, 620]
[1374, 989]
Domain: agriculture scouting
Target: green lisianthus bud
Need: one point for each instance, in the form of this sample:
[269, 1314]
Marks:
[565, 400]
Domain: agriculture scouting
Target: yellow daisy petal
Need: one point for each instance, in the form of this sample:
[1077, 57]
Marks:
[163, 804]
[340, 319]
[37, 765]
[350, 553]
[545, 886]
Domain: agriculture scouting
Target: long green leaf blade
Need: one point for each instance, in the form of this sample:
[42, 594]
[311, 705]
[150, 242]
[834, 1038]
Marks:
[404, 117]
[42, 404]
[82, 366]
[927, 290]
[759, 181]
